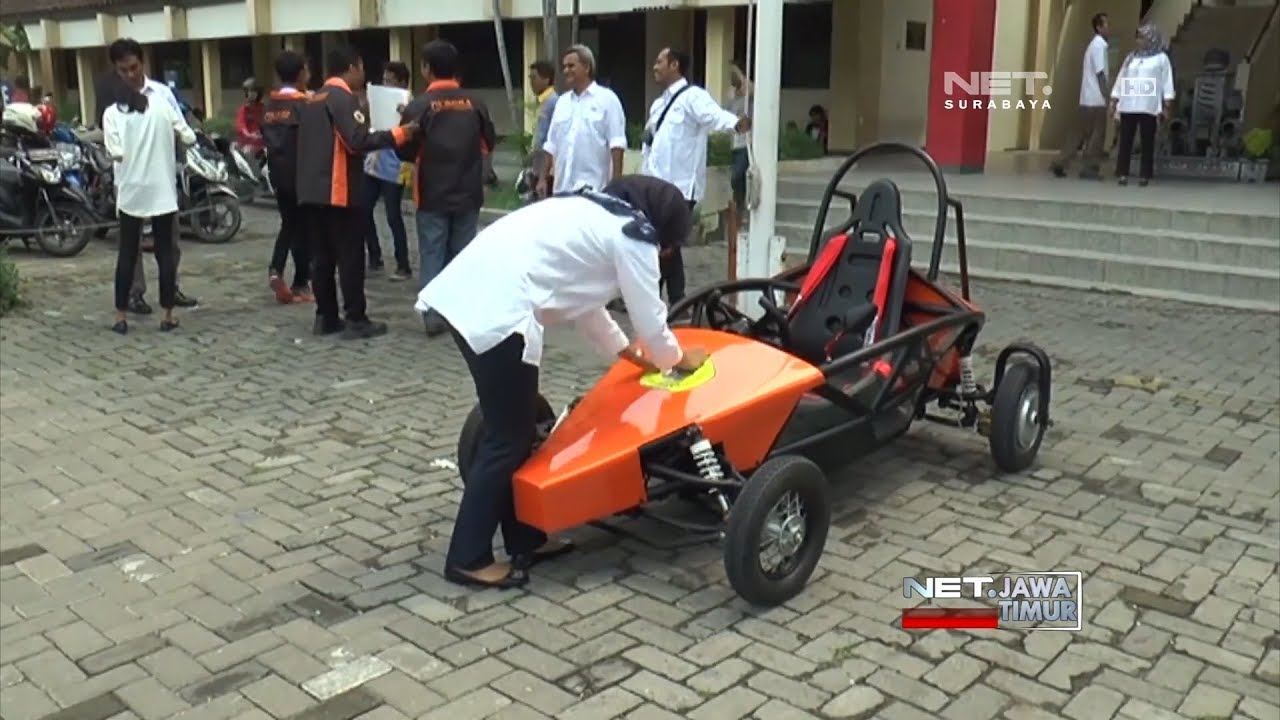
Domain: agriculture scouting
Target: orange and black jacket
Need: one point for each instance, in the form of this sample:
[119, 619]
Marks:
[333, 136]
[448, 152]
[280, 134]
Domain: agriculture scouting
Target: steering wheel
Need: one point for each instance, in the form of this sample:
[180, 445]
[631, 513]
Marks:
[709, 308]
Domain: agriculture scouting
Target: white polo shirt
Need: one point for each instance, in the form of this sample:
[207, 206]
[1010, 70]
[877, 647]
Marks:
[585, 127]
[1095, 61]
[679, 151]
[558, 261]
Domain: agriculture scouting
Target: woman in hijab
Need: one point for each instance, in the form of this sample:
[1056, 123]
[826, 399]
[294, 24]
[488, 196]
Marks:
[1141, 98]
[554, 262]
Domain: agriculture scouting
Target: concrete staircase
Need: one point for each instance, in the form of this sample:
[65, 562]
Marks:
[1231, 27]
[1212, 256]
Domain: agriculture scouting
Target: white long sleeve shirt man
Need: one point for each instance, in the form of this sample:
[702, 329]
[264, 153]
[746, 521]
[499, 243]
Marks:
[678, 153]
[559, 261]
[585, 128]
[143, 146]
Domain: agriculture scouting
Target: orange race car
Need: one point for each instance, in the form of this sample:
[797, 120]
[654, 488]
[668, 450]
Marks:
[849, 350]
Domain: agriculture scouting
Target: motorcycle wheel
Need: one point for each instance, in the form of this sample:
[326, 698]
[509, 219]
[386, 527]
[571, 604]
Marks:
[65, 230]
[215, 218]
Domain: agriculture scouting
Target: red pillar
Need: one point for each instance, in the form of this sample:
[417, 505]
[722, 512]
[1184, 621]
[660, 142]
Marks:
[963, 40]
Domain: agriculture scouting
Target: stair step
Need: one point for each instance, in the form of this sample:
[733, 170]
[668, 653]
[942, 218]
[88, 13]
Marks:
[1199, 282]
[1111, 214]
[1210, 248]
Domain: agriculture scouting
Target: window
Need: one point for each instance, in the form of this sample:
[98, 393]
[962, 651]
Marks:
[236, 61]
[478, 56]
[806, 44]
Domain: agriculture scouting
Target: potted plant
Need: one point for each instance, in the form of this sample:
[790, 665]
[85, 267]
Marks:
[1257, 155]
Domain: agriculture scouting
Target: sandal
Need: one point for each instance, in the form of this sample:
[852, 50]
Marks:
[168, 325]
[121, 328]
[515, 577]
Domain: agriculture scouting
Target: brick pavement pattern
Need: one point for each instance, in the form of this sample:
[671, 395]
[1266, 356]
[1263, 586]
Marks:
[239, 520]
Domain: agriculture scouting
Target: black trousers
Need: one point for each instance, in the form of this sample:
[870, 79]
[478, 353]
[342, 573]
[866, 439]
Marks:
[292, 240]
[507, 389]
[1143, 124]
[337, 244]
[162, 228]
[671, 266]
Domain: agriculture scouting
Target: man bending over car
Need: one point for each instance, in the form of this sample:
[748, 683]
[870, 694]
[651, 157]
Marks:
[550, 263]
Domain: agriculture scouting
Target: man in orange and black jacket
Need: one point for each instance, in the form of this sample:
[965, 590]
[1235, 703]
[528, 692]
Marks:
[280, 135]
[333, 135]
[449, 164]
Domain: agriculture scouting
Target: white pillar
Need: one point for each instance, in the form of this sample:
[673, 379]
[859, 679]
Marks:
[760, 250]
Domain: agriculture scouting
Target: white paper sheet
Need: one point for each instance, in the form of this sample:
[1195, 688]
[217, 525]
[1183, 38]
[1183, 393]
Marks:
[384, 104]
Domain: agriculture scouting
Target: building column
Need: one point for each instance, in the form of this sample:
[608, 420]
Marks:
[295, 43]
[963, 42]
[149, 62]
[401, 46]
[211, 76]
[532, 49]
[419, 36]
[856, 60]
[86, 78]
[1042, 59]
[719, 58]
[265, 48]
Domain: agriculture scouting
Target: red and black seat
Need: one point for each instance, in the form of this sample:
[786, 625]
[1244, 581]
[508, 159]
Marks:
[853, 292]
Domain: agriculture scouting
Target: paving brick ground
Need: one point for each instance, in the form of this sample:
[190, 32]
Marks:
[241, 521]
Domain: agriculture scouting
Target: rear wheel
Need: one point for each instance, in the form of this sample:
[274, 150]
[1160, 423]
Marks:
[473, 430]
[215, 218]
[1017, 429]
[64, 230]
[777, 530]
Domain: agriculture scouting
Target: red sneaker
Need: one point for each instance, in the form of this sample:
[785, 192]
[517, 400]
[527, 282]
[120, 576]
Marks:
[284, 296]
[303, 295]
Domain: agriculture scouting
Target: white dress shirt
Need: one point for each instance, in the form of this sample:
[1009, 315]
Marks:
[585, 127]
[155, 87]
[554, 262]
[1095, 61]
[142, 145]
[679, 151]
[1150, 73]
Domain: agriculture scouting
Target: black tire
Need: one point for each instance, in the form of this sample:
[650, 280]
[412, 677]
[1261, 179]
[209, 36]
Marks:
[207, 204]
[75, 222]
[768, 485]
[1018, 394]
[469, 436]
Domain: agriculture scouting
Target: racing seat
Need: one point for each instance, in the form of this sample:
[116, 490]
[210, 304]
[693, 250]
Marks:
[852, 295]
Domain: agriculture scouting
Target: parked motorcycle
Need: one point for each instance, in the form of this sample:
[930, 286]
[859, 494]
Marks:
[38, 204]
[207, 205]
[246, 169]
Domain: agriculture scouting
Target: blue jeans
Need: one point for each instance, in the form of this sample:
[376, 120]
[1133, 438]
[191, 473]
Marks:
[391, 194]
[441, 236]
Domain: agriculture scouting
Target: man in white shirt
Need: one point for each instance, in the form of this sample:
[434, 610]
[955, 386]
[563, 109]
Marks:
[553, 262]
[675, 144]
[129, 68]
[588, 132]
[1091, 127]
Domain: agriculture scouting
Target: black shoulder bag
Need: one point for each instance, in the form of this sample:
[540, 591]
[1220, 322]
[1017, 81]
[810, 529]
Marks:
[648, 136]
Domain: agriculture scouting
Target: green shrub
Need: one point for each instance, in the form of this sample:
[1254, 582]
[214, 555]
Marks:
[220, 125]
[793, 144]
[10, 284]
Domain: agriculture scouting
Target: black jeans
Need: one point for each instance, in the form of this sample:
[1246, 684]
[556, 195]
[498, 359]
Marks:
[1144, 124]
[391, 194]
[162, 228]
[292, 239]
[671, 267]
[337, 244]
[507, 389]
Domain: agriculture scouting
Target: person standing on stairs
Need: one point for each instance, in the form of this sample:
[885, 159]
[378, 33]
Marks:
[1091, 121]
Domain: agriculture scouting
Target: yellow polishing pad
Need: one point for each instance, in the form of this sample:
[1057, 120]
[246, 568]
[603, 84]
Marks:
[677, 382]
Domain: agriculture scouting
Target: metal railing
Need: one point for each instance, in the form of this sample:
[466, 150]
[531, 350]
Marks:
[1266, 27]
